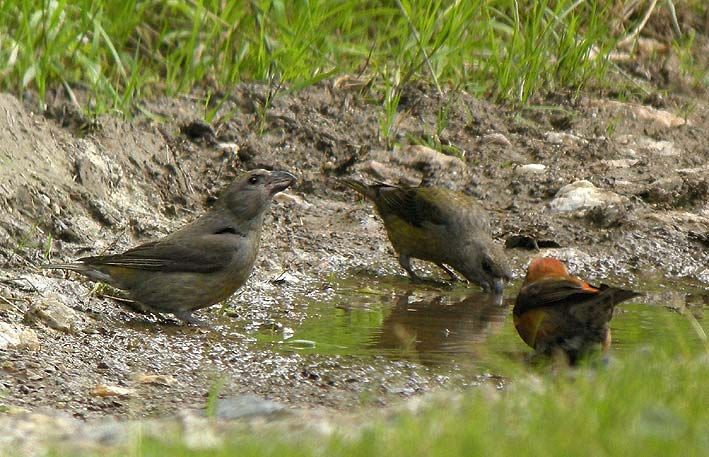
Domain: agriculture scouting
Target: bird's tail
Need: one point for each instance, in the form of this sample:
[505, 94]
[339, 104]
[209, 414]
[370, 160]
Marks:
[63, 266]
[600, 309]
[360, 187]
[616, 294]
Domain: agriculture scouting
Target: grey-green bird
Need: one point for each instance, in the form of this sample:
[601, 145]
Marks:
[440, 226]
[201, 264]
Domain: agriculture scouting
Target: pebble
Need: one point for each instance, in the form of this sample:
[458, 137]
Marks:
[564, 138]
[583, 194]
[661, 148]
[496, 138]
[530, 169]
[53, 313]
[620, 163]
[415, 155]
[291, 200]
[157, 379]
[107, 390]
[659, 118]
[18, 336]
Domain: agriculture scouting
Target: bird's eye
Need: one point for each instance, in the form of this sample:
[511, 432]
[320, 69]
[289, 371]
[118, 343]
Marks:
[253, 180]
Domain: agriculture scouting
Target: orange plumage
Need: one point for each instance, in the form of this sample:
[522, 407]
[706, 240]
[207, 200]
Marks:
[558, 314]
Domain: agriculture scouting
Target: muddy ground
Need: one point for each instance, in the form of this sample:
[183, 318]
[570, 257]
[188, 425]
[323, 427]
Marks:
[71, 187]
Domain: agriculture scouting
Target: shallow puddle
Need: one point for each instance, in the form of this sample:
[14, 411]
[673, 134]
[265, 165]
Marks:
[459, 328]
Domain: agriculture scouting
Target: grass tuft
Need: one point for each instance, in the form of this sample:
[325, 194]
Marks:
[110, 55]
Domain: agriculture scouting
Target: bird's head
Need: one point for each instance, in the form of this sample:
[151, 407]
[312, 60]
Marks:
[485, 264]
[545, 267]
[251, 193]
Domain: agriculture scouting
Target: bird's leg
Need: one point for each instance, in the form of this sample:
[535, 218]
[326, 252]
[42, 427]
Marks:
[454, 278]
[405, 262]
[187, 317]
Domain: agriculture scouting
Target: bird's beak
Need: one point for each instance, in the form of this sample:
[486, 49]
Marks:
[280, 180]
[497, 285]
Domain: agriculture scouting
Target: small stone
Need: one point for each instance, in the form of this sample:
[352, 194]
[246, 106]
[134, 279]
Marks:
[583, 194]
[291, 200]
[564, 138]
[157, 379]
[284, 278]
[661, 119]
[496, 138]
[52, 312]
[530, 169]
[661, 148]
[620, 163]
[17, 336]
[380, 171]
[416, 155]
[703, 276]
[228, 147]
[107, 390]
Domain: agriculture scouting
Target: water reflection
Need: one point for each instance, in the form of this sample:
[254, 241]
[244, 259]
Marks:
[453, 329]
[434, 331]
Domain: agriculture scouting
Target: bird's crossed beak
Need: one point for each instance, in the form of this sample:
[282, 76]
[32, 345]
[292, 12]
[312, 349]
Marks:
[497, 286]
[280, 180]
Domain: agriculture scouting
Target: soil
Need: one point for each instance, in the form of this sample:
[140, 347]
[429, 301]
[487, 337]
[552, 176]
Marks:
[71, 187]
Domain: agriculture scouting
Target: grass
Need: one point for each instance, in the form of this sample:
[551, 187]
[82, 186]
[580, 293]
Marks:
[652, 403]
[109, 56]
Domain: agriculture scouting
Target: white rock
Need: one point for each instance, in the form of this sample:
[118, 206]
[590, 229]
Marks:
[530, 169]
[416, 154]
[583, 194]
[228, 147]
[157, 379]
[703, 276]
[52, 312]
[285, 277]
[496, 138]
[620, 163]
[291, 199]
[17, 336]
[108, 390]
[662, 119]
[567, 255]
[661, 148]
[563, 138]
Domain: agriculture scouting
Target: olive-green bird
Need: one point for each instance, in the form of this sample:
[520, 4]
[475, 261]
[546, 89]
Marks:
[201, 264]
[440, 226]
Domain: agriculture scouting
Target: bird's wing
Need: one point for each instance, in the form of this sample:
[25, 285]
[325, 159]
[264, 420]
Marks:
[203, 254]
[553, 292]
[408, 205]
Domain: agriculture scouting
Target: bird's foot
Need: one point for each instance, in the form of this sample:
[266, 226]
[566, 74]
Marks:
[449, 272]
[431, 282]
[188, 318]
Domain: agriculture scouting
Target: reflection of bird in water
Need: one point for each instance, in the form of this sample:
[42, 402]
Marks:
[433, 331]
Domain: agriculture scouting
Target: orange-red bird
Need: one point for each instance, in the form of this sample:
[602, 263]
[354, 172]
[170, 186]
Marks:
[558, 314]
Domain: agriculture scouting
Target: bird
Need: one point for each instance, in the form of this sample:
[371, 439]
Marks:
[202, 263]
[559, 315]
[440, 226]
